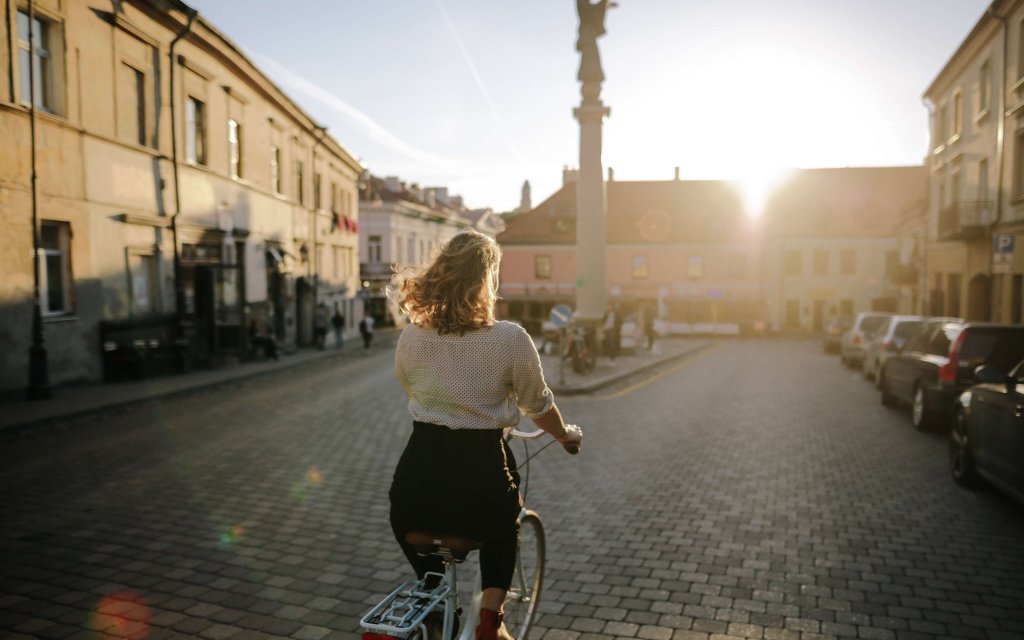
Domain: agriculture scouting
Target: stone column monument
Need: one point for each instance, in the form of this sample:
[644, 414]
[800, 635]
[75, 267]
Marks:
[591, 214]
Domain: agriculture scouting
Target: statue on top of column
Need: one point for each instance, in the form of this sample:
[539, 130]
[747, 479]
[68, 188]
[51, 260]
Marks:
[591, 28]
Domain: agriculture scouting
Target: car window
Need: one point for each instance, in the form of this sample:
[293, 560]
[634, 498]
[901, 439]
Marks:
[938, 342]
[1002, 349]
[919, 341]
[872, 323]
[907, 328]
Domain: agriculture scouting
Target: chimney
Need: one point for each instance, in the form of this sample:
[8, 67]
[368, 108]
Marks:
[569, 175]
[416, 192]
[677, 174]
[611, 174]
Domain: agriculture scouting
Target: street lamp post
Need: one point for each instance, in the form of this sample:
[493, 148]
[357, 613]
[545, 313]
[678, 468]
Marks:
[38, 367]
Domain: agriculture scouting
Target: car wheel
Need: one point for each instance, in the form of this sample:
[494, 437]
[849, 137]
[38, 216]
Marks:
[888, 399]
[961, 458]
[920, 415]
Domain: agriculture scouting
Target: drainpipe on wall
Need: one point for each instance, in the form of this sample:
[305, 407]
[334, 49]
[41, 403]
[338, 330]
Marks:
[1000, 147]
[314, 267]
[38, 367]
[179, 292]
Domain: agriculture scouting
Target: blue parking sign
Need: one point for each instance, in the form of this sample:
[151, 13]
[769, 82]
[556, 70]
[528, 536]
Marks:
[1003, 243]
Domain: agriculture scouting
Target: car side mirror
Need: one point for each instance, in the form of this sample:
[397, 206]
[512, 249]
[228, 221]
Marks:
[987, 374]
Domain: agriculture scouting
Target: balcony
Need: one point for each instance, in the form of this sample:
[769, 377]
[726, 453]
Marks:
[376, 270]
[965, 220]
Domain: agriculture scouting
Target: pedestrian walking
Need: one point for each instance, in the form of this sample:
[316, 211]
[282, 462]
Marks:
[320, 325]
[338, 322]
[611, 326]
[468, 376]
[649, 334]
[366, 331]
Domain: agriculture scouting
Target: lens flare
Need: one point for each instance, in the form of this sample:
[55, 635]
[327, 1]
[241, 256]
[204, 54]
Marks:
[122, 614]
[314, 477]
[232, 535]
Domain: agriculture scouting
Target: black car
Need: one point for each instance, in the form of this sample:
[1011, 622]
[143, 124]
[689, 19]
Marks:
[987, 436]
[937, 364]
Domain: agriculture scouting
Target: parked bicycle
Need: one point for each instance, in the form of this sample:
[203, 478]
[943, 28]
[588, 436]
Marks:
[404, 613]
[579, 349]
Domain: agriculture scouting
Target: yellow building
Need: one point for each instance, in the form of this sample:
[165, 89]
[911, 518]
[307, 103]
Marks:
[181, 198]
[975, 266]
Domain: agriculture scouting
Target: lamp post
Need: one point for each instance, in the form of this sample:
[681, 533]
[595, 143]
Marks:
[38, 367]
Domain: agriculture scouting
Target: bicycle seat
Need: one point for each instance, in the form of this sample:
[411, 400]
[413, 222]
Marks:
[447, 545]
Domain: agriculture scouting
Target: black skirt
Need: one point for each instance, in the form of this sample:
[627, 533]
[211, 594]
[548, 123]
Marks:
[459, 481]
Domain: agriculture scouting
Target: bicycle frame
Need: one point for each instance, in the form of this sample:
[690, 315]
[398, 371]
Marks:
[404, 611]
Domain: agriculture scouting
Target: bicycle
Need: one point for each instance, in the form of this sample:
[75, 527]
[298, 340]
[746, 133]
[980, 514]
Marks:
[403, 613]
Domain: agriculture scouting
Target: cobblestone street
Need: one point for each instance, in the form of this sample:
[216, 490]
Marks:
[756, 490]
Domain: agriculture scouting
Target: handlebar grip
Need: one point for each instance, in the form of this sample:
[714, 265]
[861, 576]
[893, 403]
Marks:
[573, 448]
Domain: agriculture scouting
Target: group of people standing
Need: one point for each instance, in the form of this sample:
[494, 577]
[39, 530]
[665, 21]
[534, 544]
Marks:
[611, 329]
[337, 322]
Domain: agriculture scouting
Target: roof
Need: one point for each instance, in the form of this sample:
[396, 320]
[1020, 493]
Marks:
[847, 202]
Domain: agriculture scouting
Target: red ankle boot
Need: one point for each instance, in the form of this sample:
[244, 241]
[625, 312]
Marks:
[492, 626]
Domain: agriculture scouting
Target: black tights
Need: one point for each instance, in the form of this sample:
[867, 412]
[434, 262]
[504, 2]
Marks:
[459, 481]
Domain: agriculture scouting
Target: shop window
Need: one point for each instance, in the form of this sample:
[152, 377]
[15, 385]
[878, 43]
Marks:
[542, 267]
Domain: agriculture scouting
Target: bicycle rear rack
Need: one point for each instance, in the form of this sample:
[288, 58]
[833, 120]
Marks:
[404, 609]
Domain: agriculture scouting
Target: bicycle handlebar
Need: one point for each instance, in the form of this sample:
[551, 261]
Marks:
[572, 448]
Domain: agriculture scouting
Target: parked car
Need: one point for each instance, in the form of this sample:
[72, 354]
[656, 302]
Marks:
[851, 347]
[937, 364]
[888, 339]
[986, 440]
[837, 326]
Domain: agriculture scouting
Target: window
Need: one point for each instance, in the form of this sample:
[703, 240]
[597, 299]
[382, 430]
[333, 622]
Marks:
[334, 198]
[300, 182]
[374, 244]
[55, 267]
[846, 307]
[847, 262]
[40, 62]
[984, 87]
[791, 262]
[639, 266]
[235, 148]
[275, 168]
[943, 123]
[954, 188]
[792, 314]
[983, 180]
[195, 131]
[136, 85]
[542, 267]
[958, 114]
[316, 191]
[695, 267]
[144, 283]
[1018, 163]
[892, 263]
[410, 247]
[953, 281]
[820, 262]
[1020, 50]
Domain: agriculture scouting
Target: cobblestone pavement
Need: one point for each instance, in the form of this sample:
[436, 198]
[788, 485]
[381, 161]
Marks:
[757, 490]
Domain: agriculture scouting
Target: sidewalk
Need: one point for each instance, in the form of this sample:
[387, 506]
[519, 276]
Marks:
[76, 401]
[564, 381]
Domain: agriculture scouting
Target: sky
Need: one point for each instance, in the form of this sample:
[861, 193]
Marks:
[477, 95]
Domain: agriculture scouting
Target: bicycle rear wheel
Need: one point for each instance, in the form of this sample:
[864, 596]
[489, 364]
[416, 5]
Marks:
[524, 594]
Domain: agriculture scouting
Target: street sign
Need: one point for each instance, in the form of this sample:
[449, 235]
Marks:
[1003, 243]
[561, 314]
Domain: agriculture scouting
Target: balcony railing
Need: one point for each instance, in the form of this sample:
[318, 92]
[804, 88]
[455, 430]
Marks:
[965, 220]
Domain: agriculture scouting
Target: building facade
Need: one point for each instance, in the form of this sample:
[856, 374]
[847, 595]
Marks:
[829, 242]
[401, 227]
[182, 197]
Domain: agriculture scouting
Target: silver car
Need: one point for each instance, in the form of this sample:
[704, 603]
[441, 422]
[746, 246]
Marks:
[851, 347]
[886, 340]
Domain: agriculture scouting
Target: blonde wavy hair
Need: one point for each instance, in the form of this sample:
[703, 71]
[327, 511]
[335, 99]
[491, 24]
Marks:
[456, 292]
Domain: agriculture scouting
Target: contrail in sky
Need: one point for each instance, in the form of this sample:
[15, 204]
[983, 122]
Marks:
[365, 123]
[502, 126]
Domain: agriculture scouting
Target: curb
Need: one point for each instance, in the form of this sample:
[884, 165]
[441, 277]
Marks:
[19, 428]
[618, 377]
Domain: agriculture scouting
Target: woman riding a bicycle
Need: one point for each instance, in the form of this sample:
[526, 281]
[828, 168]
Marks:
[468, 377]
